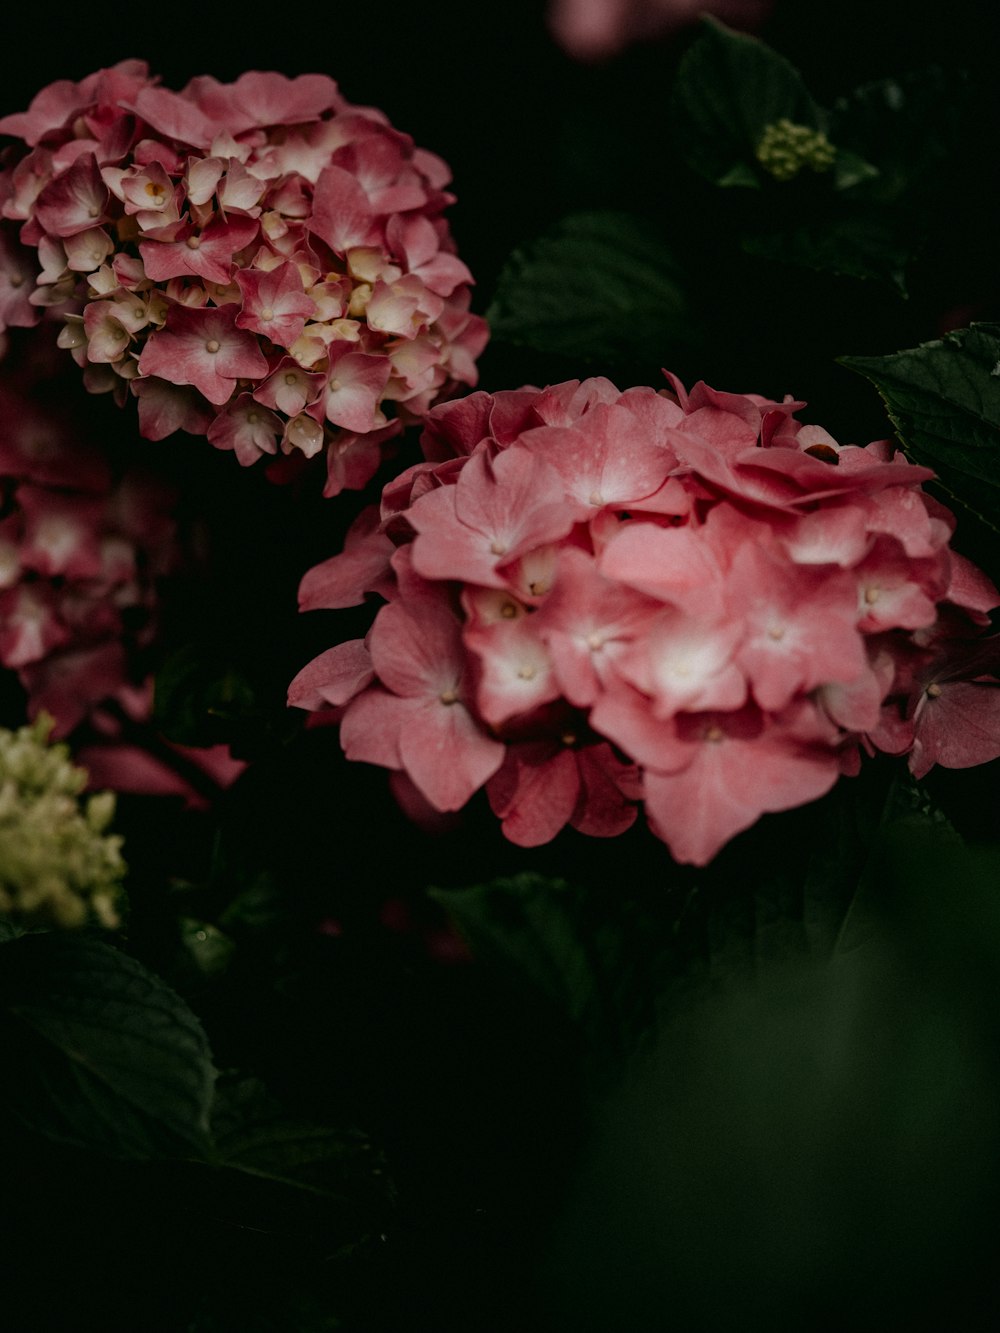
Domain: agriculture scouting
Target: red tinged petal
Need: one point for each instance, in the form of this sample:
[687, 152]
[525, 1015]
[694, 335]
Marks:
[333, 678]
[956, 725]
[275, 304]
[164, 408]
[342, 214]
[74, 201]
[247, 428]
[676, 565]
[447, 754]
[604, 810]
[442, 748]
[203, 348]
[175, 116]
[740, 769]
[263, 98]
[206, 253]
[362, 567]
[494, 514]
[535, 793]
[417, 649]
[353, 390]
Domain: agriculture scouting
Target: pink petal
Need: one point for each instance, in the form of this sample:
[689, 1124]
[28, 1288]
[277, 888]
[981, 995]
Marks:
[333, 678]
[362, 567]
[535, 794]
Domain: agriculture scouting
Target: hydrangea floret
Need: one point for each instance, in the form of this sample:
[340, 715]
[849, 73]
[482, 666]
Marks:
[691, 603]
[58, 864]
[259, 262]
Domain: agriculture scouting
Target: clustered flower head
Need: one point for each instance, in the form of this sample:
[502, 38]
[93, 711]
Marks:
[81, 551]
[260, 262]
[58, 865]
[786, 148]
[692, 602]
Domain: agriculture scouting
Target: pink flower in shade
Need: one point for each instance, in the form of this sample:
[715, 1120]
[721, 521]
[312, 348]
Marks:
[690, 602]
[545, 785]
[945, 708]
[247, 428]
[419, 719]
[596, 29]
[302, 235]
[83, 552]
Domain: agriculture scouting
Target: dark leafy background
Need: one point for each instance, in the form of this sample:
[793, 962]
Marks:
[759, 1096]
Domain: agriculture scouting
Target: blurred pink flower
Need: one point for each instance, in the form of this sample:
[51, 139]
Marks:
[84, 551]
[596, 29]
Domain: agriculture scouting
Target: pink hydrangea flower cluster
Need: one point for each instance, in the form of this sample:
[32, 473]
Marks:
[692, 602]
[260, 262]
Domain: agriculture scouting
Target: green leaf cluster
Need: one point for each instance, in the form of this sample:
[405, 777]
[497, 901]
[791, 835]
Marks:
[104, 1055]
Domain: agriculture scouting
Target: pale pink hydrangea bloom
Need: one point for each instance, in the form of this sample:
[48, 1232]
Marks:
[260, 262]
[595, 29]
[82, 552]
[598, 600]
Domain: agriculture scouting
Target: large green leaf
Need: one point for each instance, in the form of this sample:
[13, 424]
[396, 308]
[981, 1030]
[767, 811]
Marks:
[850, 240]
[598, 286]
[944, 400]
[289, 1175]
[614, 961]
[253, 1134]
[593, 959]
[822, 1135]
[729, 89]
[99, 1052]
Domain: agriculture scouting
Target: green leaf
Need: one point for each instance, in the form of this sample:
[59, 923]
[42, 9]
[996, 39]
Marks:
[254, 1135]
[825, 1136]
[944, 399]
[729, 89]
[851, 241]
[99, 1052]
[600, 961]
[850, 170]
[616, 962]
[288, 1174]
[598, 286]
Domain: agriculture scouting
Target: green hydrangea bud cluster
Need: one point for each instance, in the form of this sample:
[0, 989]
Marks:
[58, 866]
[785, 148]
